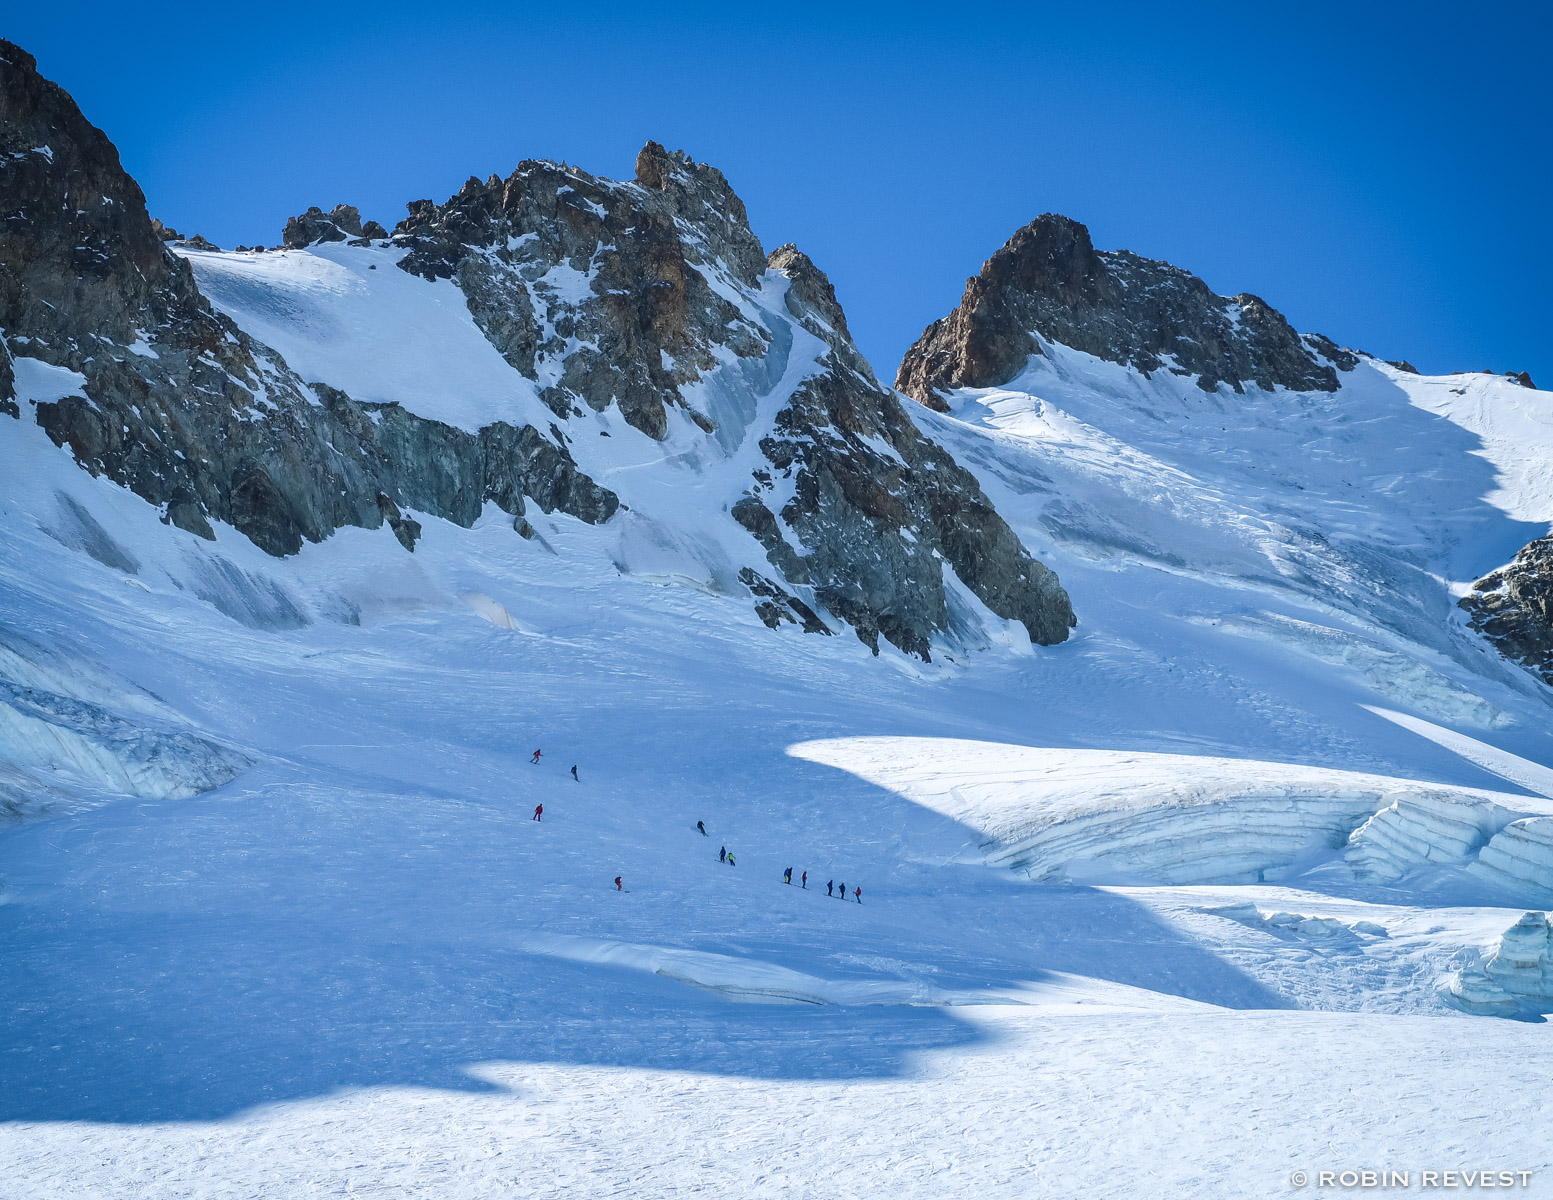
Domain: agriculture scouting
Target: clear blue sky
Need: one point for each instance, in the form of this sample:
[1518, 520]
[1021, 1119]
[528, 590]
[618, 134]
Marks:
[1381, 173]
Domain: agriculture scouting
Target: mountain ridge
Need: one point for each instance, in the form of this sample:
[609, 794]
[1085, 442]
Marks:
[600, 295]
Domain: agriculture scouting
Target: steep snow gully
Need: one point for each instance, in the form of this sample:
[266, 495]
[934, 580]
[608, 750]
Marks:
[1245, 874]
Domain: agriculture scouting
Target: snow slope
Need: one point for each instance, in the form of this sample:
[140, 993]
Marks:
[358, 967]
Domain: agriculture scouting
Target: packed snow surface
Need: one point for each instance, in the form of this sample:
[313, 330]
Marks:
[1232, 885]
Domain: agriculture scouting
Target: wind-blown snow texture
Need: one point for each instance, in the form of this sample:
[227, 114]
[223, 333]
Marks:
[1223, 887]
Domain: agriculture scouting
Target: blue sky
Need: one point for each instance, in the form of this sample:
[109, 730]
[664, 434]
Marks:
[1381, 173]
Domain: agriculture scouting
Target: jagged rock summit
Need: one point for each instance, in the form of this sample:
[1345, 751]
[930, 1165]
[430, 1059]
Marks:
[598, 290]
[1513, 608]
[650, 299]
[181, 406]
[339, 224]
[1048, 281]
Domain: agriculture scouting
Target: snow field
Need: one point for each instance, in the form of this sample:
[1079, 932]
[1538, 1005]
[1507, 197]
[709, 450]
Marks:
[359, 968]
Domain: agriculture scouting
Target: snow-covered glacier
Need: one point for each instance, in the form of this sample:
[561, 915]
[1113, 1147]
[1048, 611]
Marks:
[501, 728]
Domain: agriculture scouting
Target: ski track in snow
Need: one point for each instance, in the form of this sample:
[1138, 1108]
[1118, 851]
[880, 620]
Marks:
[359, 968]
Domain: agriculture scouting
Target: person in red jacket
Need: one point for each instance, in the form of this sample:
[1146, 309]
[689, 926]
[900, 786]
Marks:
[538, 811]
[535, 759]
[858, 892]
[618, 888]
[806, 879]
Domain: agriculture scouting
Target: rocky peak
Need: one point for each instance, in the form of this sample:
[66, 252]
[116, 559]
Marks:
[341, 223]
[600, 291]
[811, 288]
[877, 510]
[1513, 608]
[609, 293]
[77, 248]
[182, 407]
[1049, 282]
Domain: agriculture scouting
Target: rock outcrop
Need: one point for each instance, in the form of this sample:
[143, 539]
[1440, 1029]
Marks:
[181, 406]
[341, 223]
[603, 292]
[1513, 608]
[1049, 282]
[878, 508]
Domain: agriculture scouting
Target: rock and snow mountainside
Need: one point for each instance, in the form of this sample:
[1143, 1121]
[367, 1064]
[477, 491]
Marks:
[1137, 416]
[640, 299]
[180, 405]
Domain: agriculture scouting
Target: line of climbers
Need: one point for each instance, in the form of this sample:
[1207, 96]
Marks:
[831, 889]
[723, 854]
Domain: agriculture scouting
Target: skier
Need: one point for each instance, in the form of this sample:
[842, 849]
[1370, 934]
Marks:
[730, 860]
[618, 888]
[538, 812]
[787, 876]
[702, 828]
[535, 759]
[830, 887]
[722, 855]
[842, 892]
[858, 892]
[574, 772]
[806, 881]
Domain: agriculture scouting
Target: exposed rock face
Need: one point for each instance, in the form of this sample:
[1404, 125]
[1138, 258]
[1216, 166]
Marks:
[341, 223]
[1513, 608]
[598, 290]
[1049, 280]
[181, 406]
[879, 508]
